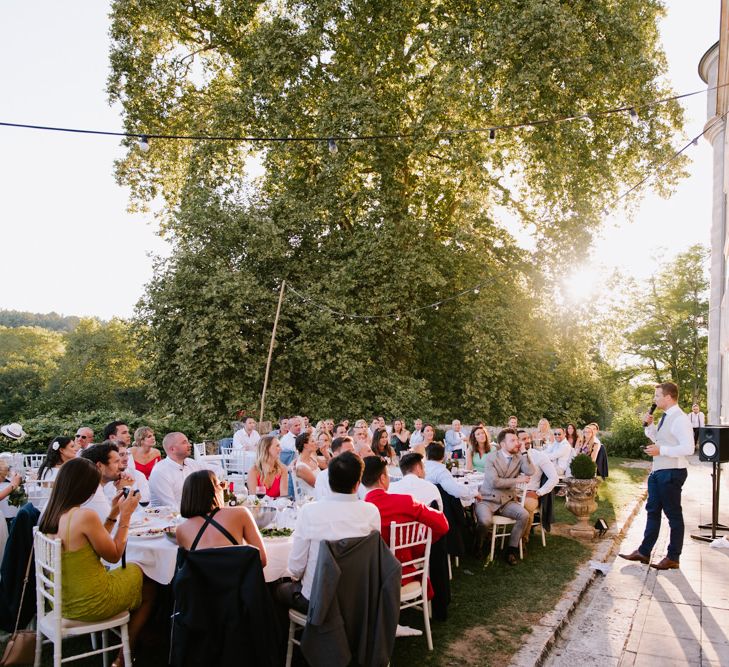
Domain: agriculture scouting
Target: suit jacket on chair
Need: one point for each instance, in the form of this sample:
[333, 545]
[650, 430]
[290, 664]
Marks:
[499, 487]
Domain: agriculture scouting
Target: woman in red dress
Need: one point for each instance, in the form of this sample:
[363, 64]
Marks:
[143, 451]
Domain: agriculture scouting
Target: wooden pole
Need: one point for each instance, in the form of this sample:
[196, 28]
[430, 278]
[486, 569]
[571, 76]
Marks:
[270, 349]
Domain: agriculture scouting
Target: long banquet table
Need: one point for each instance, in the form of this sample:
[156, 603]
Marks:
[157, 554]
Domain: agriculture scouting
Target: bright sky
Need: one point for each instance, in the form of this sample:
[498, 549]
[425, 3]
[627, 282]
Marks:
[68, 243]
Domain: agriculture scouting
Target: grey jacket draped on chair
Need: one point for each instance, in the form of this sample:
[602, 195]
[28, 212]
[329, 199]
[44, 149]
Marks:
[354, 605]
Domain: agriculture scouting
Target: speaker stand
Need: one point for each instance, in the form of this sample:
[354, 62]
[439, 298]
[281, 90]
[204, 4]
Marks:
[714, 525]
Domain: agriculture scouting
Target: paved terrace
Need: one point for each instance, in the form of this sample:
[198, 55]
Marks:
[636, 616]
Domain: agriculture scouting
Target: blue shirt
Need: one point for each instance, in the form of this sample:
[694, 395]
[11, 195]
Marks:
[453, 440]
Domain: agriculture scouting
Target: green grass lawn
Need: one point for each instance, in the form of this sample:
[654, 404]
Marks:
[494, 606]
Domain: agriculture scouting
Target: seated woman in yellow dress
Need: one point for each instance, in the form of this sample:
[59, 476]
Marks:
[90, 592]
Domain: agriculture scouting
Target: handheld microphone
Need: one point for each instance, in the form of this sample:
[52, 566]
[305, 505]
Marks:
[650, 412]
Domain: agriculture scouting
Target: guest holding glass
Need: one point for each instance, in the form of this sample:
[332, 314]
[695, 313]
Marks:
[268, 471]
[203, 505]
[90, 592]
[543, 437]
[324, 452]
[400, 439]
[144, 453]
[479, 446]
[60, 450]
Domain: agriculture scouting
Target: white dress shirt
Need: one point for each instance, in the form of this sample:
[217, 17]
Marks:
[697, 419]
[437, 473]
[541, 463]
[288, 442]
[416, 437]
[420, 489]
[560, 454]
[675, 439]
[99, 503]
[140, 482]
[241, 439]
[339, 516]
[321, 488]
[166, 480]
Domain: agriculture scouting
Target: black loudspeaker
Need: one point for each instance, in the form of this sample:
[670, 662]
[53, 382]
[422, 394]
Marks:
[714, 444]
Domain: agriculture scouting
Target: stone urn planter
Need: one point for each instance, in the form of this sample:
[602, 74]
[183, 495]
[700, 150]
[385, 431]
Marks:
[581, 502]
[581, 490]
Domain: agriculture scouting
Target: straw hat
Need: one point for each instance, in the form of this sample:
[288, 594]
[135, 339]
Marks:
[13, 431]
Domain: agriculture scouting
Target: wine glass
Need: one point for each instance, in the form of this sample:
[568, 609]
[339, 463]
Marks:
[260, 491]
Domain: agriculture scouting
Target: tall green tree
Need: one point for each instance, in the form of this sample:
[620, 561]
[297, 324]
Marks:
[379, 227]
[669, 324]
[28, 358]
[100, 370]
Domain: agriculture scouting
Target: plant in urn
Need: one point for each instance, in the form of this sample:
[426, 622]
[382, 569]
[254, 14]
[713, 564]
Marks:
[581, 490]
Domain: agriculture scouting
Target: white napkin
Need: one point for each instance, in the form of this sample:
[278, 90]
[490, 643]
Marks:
[720, 543]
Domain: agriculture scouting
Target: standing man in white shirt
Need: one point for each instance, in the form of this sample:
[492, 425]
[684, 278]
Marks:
[247, 438]
[559, 451]
[339, 516]
[454, 440]
[168, 476]
[672, 442]
[698, 420]
[413, 482]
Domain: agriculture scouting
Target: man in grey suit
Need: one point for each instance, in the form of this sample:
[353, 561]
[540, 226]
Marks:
[505, 469]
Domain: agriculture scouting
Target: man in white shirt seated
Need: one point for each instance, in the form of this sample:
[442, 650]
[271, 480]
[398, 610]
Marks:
[288, 441]
[339, 516]
[246, 438]
[139, 480]
[559, 451]
[321, 486]
[168, 476]
[416, 437]
[84, 439]
[542, 465]
[107, 461]
[413, 482]
[437, 473]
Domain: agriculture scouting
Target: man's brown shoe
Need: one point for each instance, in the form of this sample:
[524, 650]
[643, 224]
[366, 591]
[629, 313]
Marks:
[637, 556]
[666, 564]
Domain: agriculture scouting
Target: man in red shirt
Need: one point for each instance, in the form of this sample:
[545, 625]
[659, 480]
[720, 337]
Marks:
[398, 508]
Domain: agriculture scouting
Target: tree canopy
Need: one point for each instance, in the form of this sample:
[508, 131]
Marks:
[386, 225]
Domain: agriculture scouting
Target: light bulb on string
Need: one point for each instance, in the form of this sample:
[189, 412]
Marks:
[144, 143]
[437, 306]
[476, 290]
[492, 135]
[333, 149]
[634, 118]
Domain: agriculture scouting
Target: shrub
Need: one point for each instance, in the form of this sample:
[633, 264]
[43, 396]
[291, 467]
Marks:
[627, 438]
[583, 467]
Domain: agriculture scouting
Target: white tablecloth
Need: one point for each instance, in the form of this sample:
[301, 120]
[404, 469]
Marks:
[157, 557]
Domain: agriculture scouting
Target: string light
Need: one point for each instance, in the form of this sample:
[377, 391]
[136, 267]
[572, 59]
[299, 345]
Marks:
[333, 147]
[331, 140]
[634, 118]
[144, 143]
[476, 288]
